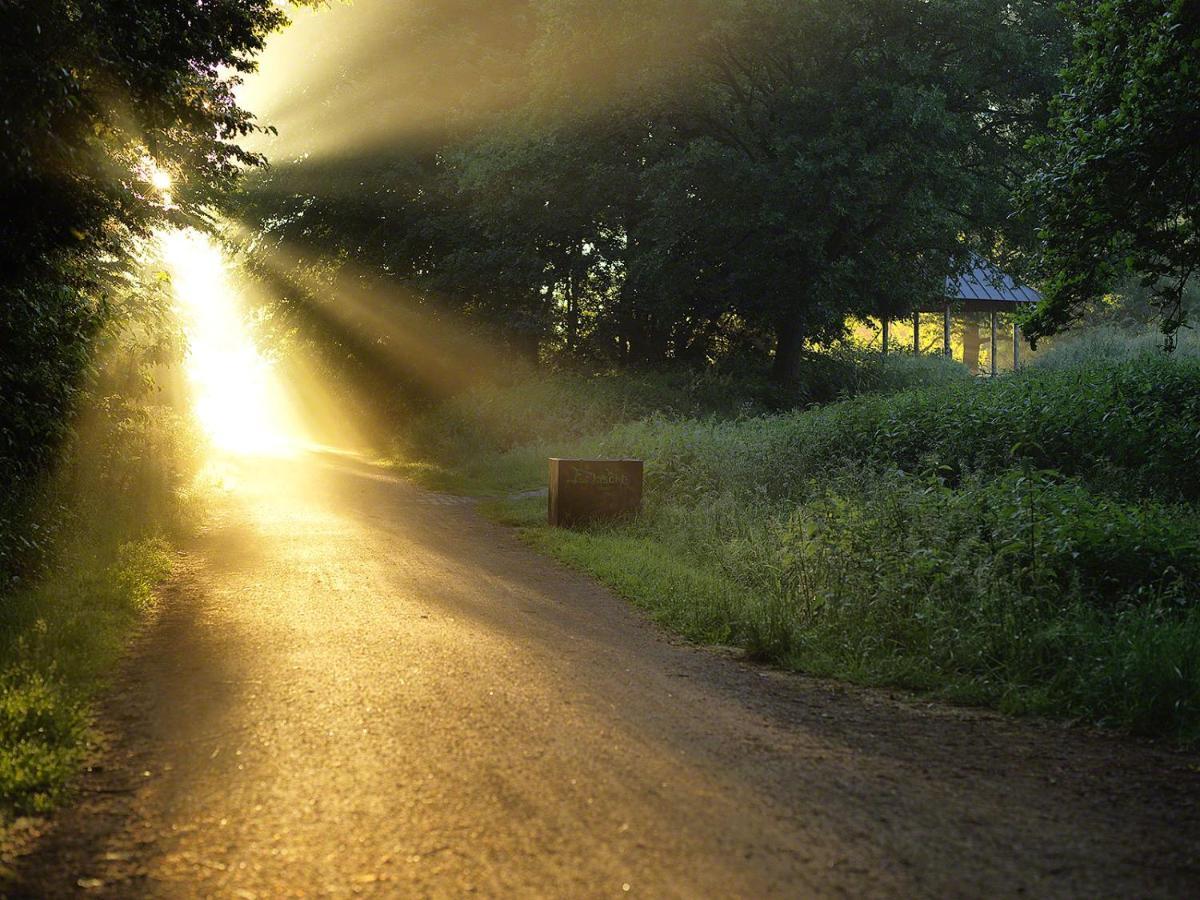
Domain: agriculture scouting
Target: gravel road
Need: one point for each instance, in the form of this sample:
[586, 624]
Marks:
[354, 687]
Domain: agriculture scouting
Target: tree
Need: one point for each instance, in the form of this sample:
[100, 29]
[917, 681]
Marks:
[102, 101]
[654, 192]
[855, 152]
[1120, 189]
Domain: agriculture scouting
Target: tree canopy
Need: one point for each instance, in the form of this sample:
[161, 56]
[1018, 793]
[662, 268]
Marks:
[1120, 191]
[633, 188]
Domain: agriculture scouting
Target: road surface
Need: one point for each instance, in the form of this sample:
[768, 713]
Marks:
[355, 687]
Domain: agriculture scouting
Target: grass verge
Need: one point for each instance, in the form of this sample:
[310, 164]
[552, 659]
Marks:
[1030, 544]
[113, 511]
[59, 640]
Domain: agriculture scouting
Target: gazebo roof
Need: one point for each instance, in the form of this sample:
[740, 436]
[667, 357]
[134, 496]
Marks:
[983, 281]
[984, 288]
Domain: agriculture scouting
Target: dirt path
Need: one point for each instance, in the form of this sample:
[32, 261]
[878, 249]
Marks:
[357, 687]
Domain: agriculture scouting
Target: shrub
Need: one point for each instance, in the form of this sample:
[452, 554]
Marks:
[92, 546]
[564, 407]
[1022, 589]
[1129, 429]
[1108, 344]
[851, 372]
[42, 733]
[567, 406]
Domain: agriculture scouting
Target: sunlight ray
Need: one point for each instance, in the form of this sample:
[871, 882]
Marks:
[238, 397]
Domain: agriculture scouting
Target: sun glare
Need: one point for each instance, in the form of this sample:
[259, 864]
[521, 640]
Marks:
[161, 180]
[238, 396]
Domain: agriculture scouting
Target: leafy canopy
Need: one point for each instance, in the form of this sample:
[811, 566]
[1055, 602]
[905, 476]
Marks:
[101, 102]
[1120, 191]
[683, 179]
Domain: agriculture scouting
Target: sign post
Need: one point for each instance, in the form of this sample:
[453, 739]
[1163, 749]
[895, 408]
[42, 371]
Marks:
[594, 490]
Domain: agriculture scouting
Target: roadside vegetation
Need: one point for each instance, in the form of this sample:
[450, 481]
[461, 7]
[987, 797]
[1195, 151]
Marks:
[495, 436]
[82, 554]
[1029, 543]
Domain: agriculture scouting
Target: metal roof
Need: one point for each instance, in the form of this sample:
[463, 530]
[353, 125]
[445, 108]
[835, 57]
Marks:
[984, 282]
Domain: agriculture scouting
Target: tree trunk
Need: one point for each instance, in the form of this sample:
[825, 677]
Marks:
[572, 315]
[648, 340]
[789, 347]
[526, 343]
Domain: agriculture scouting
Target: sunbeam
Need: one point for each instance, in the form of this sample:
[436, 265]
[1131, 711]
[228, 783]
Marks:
[238, 397]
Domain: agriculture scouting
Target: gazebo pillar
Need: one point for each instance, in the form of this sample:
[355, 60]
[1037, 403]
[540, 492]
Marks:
[992, 338]
[946, 348]
[1016, 346]
[885, 335]
[917, 334]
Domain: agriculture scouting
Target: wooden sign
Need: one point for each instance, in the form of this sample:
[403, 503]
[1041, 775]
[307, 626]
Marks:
[594, 490]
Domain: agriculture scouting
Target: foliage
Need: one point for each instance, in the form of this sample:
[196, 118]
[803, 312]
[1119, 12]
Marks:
[58, 641]
[115, 394]
[1127, 430]
[94, 89]
[568, 406]
[988, 541]
[527, 413]
[1021, 591]
[1106, 345]
[628, 190]
[107, 515]
[1118, 192]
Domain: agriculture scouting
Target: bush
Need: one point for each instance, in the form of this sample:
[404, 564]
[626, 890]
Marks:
[1128, 430]
[564, 407]
[126, 463]
[851, 372]
[1108, 344]
[1023, 590]
[78, 560]
[499, 416]
[42, 733]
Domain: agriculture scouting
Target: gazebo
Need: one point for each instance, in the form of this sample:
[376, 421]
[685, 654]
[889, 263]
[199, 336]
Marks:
[982, 288]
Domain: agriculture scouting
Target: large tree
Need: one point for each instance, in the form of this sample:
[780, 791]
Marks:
[844, 156]
[1120, 191]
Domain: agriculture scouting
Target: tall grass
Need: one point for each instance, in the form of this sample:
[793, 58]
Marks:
[1030, 543]
[1106, 344]
[496, 436]
[1127, 428]
[1023, 590]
